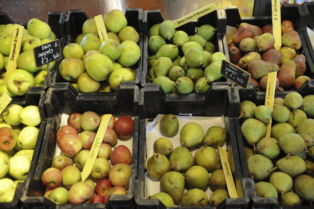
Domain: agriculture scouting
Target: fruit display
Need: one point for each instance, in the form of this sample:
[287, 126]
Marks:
[281, 164]
[94, 66]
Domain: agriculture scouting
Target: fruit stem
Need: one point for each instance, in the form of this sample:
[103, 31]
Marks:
[293, 112]
[258, 89]
[241, 115]
[274, 168]
[302, 52]
[282, 194]
[254, 146]
[201, 200]
[288, 155]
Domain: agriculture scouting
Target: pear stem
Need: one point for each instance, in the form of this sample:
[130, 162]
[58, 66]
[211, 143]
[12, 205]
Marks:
[258, 89]
[274, 168]
[293, 112]
[282, 194]
[302, 52]
[288, 155]
[241, 115]
[201, 200]
[149, 78]
[254, 146]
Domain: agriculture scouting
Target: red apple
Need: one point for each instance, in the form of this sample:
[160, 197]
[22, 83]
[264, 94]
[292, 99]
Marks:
[74, 120]
[52, 178]
[117, 190]
[98, 199]
[48, 193]
[102, 187]
[81, 193]
[124, 127]
[70, 144]
[90, 121]
[110, 137]
[105, 151]
[8, 139]
[61, 162]
[65, 130]
[119, 175]
[121, 154]
[87, 139]
[112, 121]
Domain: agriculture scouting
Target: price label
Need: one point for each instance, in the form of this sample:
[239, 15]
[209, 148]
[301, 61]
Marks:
[101, 28]
[4, 102]
[276, 17]
[269, 99]
[194, 15]
[47, 53]
[235, 74]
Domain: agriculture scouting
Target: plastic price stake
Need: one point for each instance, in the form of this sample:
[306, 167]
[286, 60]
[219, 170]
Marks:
[276, 16]
[96, 146]
[194, 15]
[228, 174]
[15, 48]
[101, 28]
[270, 94]
[4, 102]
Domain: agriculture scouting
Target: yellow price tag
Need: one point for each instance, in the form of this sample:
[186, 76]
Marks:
[96, 146]
[15, 48]
[101, 28]
[276, 16]
[4, 102]
[194, 15]
[270, 94]
[228, 173]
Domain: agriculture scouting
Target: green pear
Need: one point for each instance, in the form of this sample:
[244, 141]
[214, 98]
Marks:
[278, 102]
[212, 72]
[73, 50]
[207, 59]
[175, 72]
[305, 129]
[38, 28]
[129, 33]
[111, 49]
[157, 166]
[293, 100]
[190, 45]
[162, 66]
[201, 85]
[191, 135]
[218, 57]
[194, 57]
[259, 166]
[207, 32]
[168, 50]
[218, 196]
[89, 54]
[70, 69]
[26, 61]
[302, 155]
[98, 67]
[248, 152]
[166, 29]
[281, 181]
[5, 42]
[268, 147]
[199, 39]
[181, 159]
[265, 190]
[166, 84]
[291, 143]
[182, 63]
[194, 197]
[173, 183]
[89, 26]
[176, 61]
[59, 195]
[197, 177]
[247, 109]
[155, 43]
[215, 136]
[169, 125]
[4, 163]
[19, 167]
[297, 118]
[163, 146]
[79, 38]
[119, 75]
[253, 130]
[180, 37]
[114, 36]
[281, 129]
[299, 166]
[290, 199]
[154, 30]
[81, 158]
[90, 42]
[303, 186]
[115, 20]
[210, 47]
[1, 62]
[30, 42]
[208, 158]
[130, 53]
[281, 114]
[185, 85]
[263, 113]
[217, 180]
[165, 198]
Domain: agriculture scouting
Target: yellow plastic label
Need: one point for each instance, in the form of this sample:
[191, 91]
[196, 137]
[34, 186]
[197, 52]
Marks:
[96, 146]
[101, 28]
[4, 102]
[270, 94]
[228, 174]
[194, 15]
[15, 48]
[276, 16]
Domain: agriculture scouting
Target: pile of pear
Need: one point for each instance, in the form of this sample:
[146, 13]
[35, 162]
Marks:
[184, 178]
[21, 125]
[252, 49]
[286, 159]
[95, 66]
[181, 63]
[36, 34]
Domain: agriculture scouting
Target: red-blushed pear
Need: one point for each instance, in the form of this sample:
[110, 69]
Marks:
[90, 121]
[8, 139]
[98, 199]
[112, 121]
[47, 193]
[70, 144]
[117, 190]
[121, 154]
[110, 137]
[61, 162]
[101, 168]
[81, 193]
[87, 139]
[65, 130]
[74, 121]
[124, 127]
[104, 151]
[52, 178]
[102, 187]
[59, 196]
[71, 175]
[119, 175]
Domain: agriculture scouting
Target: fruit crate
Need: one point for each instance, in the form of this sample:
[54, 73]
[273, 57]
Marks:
[151, 17]
[250, 94]
[153, 101]
[292, 12]
[61, 99]
[36, 97]
[74, 20]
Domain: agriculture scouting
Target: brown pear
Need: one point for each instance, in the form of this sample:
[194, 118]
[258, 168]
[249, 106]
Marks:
[300, 81]
[286, 26]
[247, 45]
[272, 56]
[229, 38]
[235, 54]
[265, 41]
[246, 59]
[255, 83]
[292, 39]
[263, 83]
[244, 31]
[286, 75]
[299, 61]
[260, 68]
[267, 29]
[287, 54]
[257, 31]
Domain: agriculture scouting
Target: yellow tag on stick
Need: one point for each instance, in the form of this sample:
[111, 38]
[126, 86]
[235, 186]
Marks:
[101, 28]
[194, 15]
[228, 174]
[96, 146]
[270, 94]
[15, 48]
[4, 102]
[276, 16]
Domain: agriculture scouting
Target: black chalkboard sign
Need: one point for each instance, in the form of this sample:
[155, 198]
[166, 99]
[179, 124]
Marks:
[47, 53]
[235, 74]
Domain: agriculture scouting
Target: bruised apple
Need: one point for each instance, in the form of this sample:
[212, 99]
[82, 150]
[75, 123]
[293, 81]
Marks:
[65, 130]
[124, 127]
[70, 144]
[121, 154]
[74, 121]
[8, 139]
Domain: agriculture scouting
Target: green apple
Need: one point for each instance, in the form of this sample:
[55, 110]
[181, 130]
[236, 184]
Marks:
[71, 68]
[26, 61]
[73, 50]
[90, 42]
[19, 167]
[89, 26]
[11, 114]
[119, 75]
[28, 137]
[117, 66]
[30, 42]
[81, 158]
[115, 21]
[4, 164]
[1, 62]
[114, 36]
[5, 43]
[1, 29]
[59, 195]
[75, 86]
[28, 153]
[40, 77]
[111, 49]
[52, 65]
[7, 190]
[130, 53]
[18, 82]
[79, 38]
[71, 175]
[8, 30]
[129, 33]
[52, 36]
[25, 31]
[5, 125]
[3, 89]
[30, 116]
[11, 152]
[91, 183]
[38, 28]
[46, 40]
[98, 66]
[87, 84]
[90, 53]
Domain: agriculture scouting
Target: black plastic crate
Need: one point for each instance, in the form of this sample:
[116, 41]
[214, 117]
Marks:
[152, 101]
[152, 17]
[231, 17]
[74, 20]
[125, 103]
[33, 97]
[251, 95]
